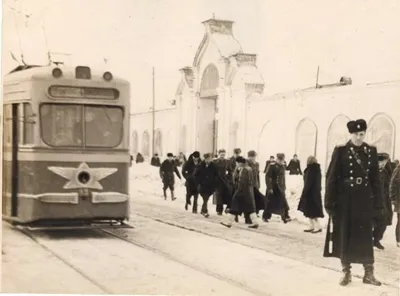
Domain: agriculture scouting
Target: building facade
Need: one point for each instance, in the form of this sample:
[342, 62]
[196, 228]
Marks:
[220, 104]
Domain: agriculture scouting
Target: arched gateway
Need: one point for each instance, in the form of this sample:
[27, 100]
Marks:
[214, 90]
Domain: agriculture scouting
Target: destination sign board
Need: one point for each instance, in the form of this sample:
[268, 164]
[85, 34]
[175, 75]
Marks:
[58, 91]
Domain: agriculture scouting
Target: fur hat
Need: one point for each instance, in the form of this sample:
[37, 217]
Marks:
[355, 126]
[237, 150]
[196, 154]
[280, 156]
[240, 159]
[170, 155]
[383, 156]
[251, 153]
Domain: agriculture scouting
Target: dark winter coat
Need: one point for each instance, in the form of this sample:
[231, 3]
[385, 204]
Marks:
[167, 170]
[276, 181]
[394, 189]
[243, 198]
[259, 198]
[139, 158]
[311, 200]
[255, 167]
[294, 167]
[206, 178]
[352, 198]
[385, 175]
[155, 161]
[188, 170]
[223, 192]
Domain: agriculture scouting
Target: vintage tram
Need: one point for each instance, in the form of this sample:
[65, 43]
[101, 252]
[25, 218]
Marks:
[65, 147]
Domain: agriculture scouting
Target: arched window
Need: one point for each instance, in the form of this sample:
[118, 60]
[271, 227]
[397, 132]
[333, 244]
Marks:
[306, 140]
[338, 134]
[158, 142]
[381, 133]
[135, 143]
[146, 144]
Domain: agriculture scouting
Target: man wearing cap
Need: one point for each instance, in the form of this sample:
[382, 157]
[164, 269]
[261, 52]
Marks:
[353, 199]
[207, 178]
[167, 170]
[243, 198]
[276, 190]
[385, 174]
[255, 166]
[223, 192]
[232, 160]
[188, 169]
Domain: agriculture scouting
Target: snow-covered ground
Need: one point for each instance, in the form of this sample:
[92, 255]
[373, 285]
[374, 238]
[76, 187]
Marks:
[147, 179]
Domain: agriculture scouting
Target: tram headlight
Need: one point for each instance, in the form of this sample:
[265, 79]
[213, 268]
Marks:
[107, 76]
[83, 177]
[57, 73]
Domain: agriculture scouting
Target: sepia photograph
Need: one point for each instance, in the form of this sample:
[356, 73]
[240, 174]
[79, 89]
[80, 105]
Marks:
[200, 147]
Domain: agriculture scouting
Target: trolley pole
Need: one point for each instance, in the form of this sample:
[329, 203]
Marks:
[154, 113]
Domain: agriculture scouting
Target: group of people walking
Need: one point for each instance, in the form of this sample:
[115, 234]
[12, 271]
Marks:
[361, 186]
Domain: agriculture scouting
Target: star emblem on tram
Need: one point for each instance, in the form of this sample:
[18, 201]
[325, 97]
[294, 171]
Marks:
[83, 176]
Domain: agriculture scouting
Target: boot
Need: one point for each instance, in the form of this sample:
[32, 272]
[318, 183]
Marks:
[165, 194]
[377, 244]
[194, 209]
[346, 279]
[254, 221]
[247, 219]
[369, 277]
[172, 195]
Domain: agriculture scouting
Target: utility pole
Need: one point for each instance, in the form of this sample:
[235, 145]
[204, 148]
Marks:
[154, 113]
[316, 84]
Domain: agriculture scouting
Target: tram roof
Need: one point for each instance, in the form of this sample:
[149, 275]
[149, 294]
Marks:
[38, 72]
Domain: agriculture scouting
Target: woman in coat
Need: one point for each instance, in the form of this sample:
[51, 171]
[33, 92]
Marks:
[188, 170]
[394, 190]
[311, 200]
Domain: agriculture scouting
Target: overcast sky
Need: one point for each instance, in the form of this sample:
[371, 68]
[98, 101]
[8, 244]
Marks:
[357, 38]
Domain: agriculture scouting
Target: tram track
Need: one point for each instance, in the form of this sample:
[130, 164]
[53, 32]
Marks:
[31, 235]
[120, 234]
[255, 247]
[217, 276]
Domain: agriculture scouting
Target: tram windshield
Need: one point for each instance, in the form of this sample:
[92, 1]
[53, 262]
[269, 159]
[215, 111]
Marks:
[71, 125]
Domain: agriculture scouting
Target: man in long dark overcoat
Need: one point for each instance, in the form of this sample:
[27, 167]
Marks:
[223, 192]
[188, 169]
[385, 174]
[167, 170]
[207, 178]
[243, 198]
[276, 202]
[255, 166]
[352, 200]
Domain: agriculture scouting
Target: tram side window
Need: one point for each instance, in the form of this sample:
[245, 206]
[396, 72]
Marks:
[7, 123]
[29, 122]
[61, 125]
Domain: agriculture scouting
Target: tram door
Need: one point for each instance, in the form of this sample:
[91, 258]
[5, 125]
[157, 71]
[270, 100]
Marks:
[10, 159]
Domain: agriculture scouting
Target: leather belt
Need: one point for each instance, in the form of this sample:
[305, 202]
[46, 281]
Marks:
[358, 180]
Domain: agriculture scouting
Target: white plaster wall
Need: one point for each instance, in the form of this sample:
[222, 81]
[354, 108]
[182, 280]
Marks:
[321, 106]
[166, 121]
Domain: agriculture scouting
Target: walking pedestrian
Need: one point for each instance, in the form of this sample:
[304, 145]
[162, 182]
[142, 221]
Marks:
[311, 200]
[167, 170]
[206, 178]
[258, 197]
[188, 170]
[276, 191]
[243, 198]
[394, 190]
[352, 199]
[381, 223]
[294, 166]
[223, 192]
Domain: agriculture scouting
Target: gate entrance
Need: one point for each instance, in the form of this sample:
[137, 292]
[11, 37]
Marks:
[208, 124]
